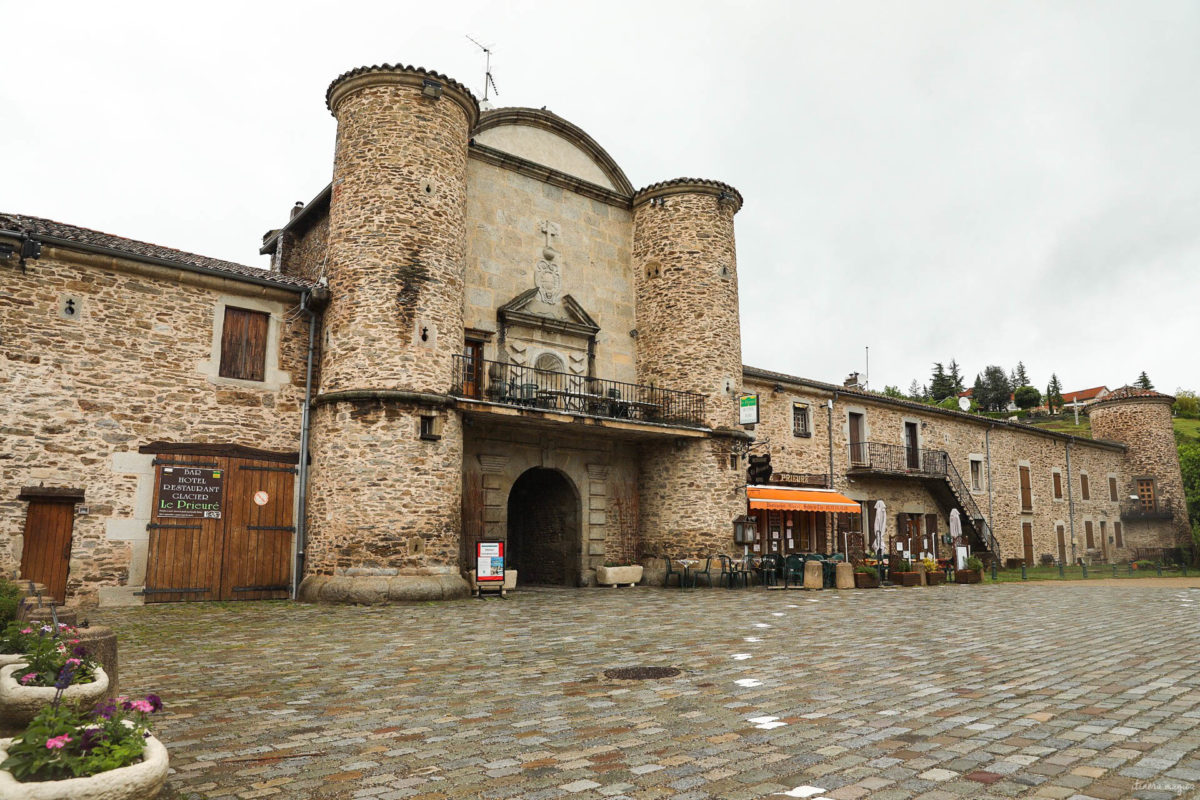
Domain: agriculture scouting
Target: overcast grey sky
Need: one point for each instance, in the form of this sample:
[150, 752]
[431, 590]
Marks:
[986, 181]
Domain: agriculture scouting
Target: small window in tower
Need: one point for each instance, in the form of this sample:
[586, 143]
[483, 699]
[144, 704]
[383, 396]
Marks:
[244, 344]
[800, 420]
[1145, 490]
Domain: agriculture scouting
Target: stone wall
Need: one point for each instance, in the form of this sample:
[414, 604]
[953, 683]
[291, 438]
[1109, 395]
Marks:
[685, 268]
[689, 495]
[511, 220]
[133, 366]
[303, 255]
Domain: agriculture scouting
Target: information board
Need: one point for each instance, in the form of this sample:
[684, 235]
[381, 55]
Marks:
[489, 562]
[748, 410]
[190, 493]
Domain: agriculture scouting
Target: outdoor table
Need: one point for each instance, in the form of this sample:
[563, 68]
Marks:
[643, 407]
[687, 564]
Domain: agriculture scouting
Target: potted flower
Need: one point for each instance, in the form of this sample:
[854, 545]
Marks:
[618, 573]
[902, 572]
[103, 754]
[865, 577]
[49, 670]
[972, 574]
[933, 575]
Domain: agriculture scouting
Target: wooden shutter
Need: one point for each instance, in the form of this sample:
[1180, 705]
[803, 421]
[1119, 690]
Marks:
[1027, 541]
[1083, 486]
[244, 344]
[1058, 486]
[1091, 541]
[1112, 489]
[1026, 490]
[1117, 534]
[1062, 544]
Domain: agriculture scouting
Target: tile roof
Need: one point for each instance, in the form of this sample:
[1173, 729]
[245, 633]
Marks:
[1083, 394]
[51, 232]
[1134, 393]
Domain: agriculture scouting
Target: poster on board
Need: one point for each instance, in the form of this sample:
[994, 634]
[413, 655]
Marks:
[748, 410]
[190, 493]
[489, 562]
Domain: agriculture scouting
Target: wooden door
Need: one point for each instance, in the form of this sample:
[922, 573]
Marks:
[858, 450]
[184, 555]
[47, 552]
[910, 445]
[1062, 545]
[1027, 538]
[472, 369]
[257, 551]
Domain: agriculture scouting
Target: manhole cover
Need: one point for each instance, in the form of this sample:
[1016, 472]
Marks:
[640, 673]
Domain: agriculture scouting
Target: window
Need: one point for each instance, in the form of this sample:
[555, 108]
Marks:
[1112, 489]
[976, 475]
[548, 362]
[1083, 486]
[800, 424]
[1026, 490]
[1091, 541]
[1058, 486]
[244, 344]
[1145, 490]
[1117, 533]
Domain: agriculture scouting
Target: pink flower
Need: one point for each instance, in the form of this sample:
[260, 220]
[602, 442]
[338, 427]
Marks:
[58, 742]
[142, 706]
[27, 630]
[73, 662]
[28, 677]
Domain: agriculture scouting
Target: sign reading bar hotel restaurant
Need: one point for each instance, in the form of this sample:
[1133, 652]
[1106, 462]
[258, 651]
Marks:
[190, 493]
[489, 561]
[748, 408]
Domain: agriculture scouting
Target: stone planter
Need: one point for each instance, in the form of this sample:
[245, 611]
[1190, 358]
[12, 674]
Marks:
[619, 576]
[906, 578]
[19, 704]
[141, 781]
[11, 658]
[935, 578]
[862, 580]
[968, 576]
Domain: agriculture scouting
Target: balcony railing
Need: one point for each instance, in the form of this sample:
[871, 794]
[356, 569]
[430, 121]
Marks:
[1138, 512]
[526, 387]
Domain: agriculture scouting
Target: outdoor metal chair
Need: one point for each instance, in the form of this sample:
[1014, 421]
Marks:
[793, 567]
[768, 570]
[731, 573]
[672, 573]
[706, 572]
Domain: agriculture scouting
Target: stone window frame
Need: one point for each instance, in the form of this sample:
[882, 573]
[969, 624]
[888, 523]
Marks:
[806, 430]
[920, 423]
[1056, 489]
[866, 425]
[273, 377]
[981, 459]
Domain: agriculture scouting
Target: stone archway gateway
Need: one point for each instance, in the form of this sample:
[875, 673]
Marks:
[544, 528]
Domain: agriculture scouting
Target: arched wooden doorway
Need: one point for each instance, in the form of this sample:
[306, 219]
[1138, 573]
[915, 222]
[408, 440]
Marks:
[544, 528]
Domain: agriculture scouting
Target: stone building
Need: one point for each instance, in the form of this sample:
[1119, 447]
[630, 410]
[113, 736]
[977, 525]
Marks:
[478, 331]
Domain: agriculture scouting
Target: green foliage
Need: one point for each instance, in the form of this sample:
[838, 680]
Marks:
[10, 601]
[993, 389]
[1027, 397]
[941, 385]
[899, 564]
[1054, 398]
[1187, 404]
[1143, 564]
[49, 655]
[1143, 381]
[974, 563]
[866, 569]
[1019, 376]
[62, 742]
[956, 378]
[1189, 465]
[918, 392]
[950, 403]
[893, 391]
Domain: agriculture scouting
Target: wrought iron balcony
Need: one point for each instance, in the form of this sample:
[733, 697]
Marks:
[880, 457]
[526, 387]
[1140, 512]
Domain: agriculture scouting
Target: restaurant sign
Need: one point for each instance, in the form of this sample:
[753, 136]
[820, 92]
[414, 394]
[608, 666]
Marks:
[748, 410]
[190, 493]
[489, 562]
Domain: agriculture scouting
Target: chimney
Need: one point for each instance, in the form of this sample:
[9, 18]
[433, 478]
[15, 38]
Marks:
[296, 209]
[852, 381]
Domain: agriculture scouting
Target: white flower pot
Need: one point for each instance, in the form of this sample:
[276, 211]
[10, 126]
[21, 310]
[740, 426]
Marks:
[614, 576]
[19, 704]
[140, 781]
[11, 658]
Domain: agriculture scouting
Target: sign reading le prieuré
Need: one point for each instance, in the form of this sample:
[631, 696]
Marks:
[748, 410]
[190, 493]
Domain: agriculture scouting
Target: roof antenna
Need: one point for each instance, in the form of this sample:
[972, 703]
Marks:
[488, 81]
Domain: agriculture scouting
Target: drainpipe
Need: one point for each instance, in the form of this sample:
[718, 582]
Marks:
[1070, 502]
[302, 513]
[829, 408]
[987, 443]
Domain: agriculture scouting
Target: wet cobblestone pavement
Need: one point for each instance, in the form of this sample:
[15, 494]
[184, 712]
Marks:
[945, 692]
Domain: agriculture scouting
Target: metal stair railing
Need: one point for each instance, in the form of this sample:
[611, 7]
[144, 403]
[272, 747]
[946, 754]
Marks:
[959, 487]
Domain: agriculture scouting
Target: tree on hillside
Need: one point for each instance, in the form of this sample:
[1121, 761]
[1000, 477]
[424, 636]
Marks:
[1187, 404]
[1020, 378]
[955, 373]
[941, 385]
[1027, 397]
[893, 391]
[996, 389]
[1143, 381]
[1054, 398]
[977, 392]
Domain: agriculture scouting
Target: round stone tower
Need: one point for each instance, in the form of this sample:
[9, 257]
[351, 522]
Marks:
[1140, 419]
[689, 339]
[386, 475]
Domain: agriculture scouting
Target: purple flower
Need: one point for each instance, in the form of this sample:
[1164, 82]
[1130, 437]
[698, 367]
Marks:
[105, 711]
[155, 701]
[64, 677]
[89, 738]
[80, 651]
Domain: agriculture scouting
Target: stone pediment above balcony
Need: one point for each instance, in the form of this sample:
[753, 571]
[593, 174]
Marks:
[566, 316]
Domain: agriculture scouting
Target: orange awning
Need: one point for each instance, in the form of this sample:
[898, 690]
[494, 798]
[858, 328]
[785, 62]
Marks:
[784, 498]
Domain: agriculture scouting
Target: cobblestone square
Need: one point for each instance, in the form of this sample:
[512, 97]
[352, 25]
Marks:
[1040, 690]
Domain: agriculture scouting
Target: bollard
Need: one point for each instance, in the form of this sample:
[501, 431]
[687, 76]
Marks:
[844, 575]
[1130, 567]
[993, 571]
[1024, 577]
[1158, 568]
[1183, 566]
[1084, 569]
[1114, 570]
[814, 575]
[1061, 573]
